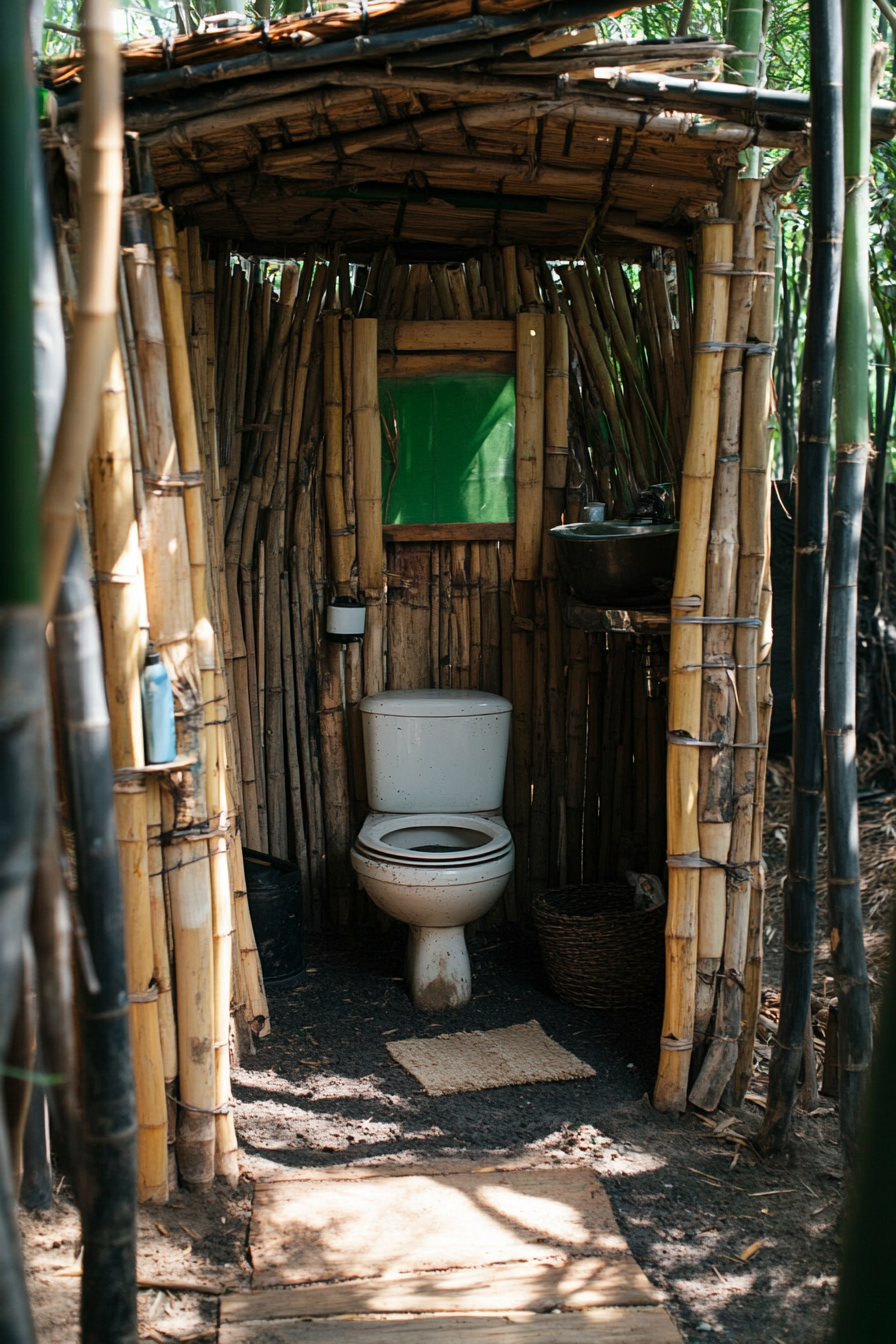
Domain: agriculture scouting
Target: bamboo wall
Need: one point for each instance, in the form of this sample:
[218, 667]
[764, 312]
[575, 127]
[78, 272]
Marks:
[299, 466]
[245, 453]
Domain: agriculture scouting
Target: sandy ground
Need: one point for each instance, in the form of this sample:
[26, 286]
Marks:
[323, 1090]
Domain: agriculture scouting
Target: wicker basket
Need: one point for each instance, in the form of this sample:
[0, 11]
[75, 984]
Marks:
[599, 950]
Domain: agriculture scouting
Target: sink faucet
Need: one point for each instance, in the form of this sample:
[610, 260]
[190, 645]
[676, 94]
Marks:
[654, 504]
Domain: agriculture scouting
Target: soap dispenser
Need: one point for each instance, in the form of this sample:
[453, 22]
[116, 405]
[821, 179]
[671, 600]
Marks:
[158, 710]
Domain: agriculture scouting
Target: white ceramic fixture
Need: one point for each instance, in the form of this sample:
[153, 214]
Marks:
[433, 853]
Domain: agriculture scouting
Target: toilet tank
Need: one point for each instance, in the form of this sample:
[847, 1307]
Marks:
[435, 751]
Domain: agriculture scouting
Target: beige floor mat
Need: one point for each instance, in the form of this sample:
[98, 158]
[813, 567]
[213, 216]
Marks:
[474, 1061]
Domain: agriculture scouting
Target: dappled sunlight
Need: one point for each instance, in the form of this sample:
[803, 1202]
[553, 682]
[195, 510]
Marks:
[549, 1216]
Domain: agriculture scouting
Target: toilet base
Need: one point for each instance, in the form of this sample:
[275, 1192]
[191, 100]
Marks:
[438, 968]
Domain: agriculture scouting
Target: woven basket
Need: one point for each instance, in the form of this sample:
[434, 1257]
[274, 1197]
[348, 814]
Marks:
[599, 950]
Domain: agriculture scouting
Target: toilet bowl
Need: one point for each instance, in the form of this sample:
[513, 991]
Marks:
[422, 856]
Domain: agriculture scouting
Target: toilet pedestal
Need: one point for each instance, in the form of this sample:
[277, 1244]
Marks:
[438, 968]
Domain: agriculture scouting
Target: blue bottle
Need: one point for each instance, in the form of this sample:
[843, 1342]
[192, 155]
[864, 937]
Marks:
[158, 710]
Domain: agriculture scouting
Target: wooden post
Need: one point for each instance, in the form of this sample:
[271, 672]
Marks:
[685, 674]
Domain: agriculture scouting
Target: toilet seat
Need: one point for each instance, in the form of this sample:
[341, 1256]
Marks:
[433, 839]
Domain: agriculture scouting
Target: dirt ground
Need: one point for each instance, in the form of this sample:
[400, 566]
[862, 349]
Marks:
[691, 1200]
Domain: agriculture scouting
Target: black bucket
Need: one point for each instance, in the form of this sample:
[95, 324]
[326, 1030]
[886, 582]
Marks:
[274, 888]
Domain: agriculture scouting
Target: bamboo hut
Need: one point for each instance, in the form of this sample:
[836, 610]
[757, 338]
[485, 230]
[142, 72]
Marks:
[326, 220]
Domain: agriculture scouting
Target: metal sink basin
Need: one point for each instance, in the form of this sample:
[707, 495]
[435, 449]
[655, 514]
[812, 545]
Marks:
[618, 564]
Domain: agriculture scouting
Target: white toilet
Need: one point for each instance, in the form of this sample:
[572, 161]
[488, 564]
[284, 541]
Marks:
[434, 851]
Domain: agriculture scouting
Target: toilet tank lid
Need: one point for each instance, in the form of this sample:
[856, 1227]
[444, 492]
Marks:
[434, 704]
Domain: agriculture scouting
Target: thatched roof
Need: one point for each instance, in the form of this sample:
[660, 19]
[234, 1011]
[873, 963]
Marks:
[439, 125]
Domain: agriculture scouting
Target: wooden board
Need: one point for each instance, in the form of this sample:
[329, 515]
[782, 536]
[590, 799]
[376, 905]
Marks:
[449, 531]
[569, 1284]
[482, 334]
[435, 363]
[626, 1325]
[313, 1231]
[583, 616]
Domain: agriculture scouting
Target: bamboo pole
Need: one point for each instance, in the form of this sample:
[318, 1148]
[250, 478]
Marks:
[716, 799]
[226, 1147]
[109, 1114]
[512, 301]
[272, 561]
[490, 617]
[368, 496]
[409, 617]
[588, 846]
[685, 679]
[576, 723]
[529, 448]
[291, 717]
[753, 507]
[119, 574]
[161, 965]
[169, 595]
[853, 449]
[810, 543]
[306, 699]
[341, 541]
[743, 1072]
[93, 337]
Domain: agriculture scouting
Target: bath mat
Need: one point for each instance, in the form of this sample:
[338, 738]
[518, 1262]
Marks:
[474, 1061]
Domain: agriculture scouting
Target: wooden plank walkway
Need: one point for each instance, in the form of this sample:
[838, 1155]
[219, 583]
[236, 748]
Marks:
[515, 1254]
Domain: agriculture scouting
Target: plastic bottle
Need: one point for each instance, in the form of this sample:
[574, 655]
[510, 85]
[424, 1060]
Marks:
[158, 711]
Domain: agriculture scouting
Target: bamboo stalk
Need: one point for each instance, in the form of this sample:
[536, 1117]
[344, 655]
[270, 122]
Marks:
[576, 722]
[117, 565]
[685, 679]
[475, 605]
[540, 813]
[529, 447]
[718, 713]
[556, 437]
[753, 509]
[110, 1122]
[588, 844]
[409, 616]
[341, 541]
[368, 496]
[275, 760]
[853, 449]
[256, 1007]
[161, 966]
[169, 594]
[512, 301]
[444, 615]
[292, 741]
[743, 1072]
[226, 1148]
[306, 698]
[93, 336]
[490, 617]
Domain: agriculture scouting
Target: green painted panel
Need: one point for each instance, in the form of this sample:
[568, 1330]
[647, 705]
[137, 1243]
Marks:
[453, 439]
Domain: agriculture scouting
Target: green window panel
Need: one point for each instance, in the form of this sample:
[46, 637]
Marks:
[448, 448]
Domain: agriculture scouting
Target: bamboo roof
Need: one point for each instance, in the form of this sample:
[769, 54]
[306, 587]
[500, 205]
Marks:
[438, 125]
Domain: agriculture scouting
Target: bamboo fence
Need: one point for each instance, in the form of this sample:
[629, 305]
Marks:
[719, 686]
[157, 504]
